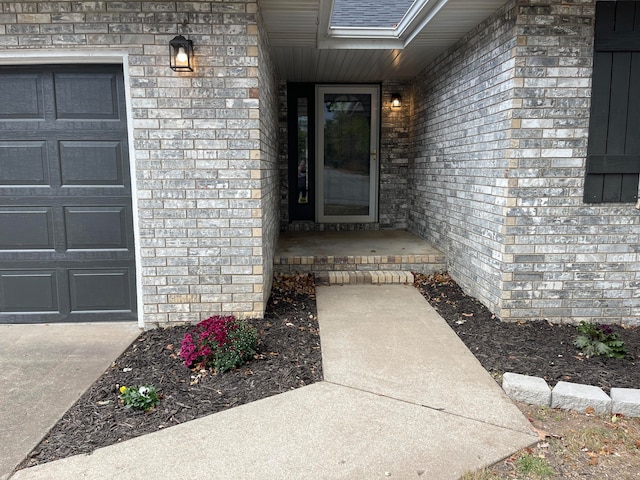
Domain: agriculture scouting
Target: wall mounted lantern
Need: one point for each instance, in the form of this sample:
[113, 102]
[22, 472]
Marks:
[181, 54]
[396, 100]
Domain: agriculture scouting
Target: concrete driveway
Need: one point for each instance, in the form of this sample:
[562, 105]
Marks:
[44, 369]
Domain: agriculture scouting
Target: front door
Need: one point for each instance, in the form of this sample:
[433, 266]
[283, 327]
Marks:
[347, 153]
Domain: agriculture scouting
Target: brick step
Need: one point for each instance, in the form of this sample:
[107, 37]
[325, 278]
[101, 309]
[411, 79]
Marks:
[360, 263]
[375, 277]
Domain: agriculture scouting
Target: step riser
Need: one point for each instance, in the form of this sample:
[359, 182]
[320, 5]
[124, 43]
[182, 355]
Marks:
[426, 264]
[359, 278]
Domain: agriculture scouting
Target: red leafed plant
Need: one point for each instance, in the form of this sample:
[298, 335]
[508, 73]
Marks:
[220, 343]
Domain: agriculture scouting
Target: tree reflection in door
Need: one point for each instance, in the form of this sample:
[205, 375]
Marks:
[347, 154]
[303, 151]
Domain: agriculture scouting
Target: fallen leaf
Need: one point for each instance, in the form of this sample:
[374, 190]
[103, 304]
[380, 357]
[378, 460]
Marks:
[170, 346]
[467, 314]
[593, 461]
[589, 410]
[542, 434]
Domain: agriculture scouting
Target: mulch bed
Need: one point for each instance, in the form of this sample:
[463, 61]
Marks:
[537, 348]
[289, 357]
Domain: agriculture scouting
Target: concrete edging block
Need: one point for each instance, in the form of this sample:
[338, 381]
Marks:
[625, 401]
[575, 396]
[571, 396]
[527, 389]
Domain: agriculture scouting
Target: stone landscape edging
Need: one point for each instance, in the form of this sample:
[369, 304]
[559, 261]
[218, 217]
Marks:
[571, 396]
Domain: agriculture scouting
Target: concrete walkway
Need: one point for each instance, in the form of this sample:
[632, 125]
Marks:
[402, 398]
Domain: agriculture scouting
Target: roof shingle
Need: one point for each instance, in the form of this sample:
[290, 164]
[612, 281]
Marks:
[369, 13]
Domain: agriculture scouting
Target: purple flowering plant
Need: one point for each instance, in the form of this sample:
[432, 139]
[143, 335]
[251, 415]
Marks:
[219, 343]
[595, 340]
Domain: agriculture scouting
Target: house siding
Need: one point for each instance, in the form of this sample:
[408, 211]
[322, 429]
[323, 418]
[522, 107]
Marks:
[394, 158]
[271, 139]
[202, 153]
[542, 252]
[461, 115]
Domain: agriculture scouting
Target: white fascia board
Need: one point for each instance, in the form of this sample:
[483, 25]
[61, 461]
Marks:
[361, 43]
[45, 56]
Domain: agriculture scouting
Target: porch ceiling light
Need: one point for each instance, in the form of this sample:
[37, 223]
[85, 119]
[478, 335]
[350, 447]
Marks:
[396, 100]
[181, 54]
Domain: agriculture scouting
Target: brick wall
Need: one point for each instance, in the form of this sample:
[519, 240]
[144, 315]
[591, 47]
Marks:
[394, 158]
[460, 119]
[565, 260]
[203, 155]
[271, 138]
[504, 197]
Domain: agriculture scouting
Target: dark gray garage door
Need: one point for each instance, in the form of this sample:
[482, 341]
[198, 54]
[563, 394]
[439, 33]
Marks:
[66, 235]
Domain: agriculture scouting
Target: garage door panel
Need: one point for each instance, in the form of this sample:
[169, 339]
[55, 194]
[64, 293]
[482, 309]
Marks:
[86, 96]
[26, 228]
[28, 291]
[96, 227]
[66, 220]
[21, 96]
[24, 163]
[100, 289]
[91, 163]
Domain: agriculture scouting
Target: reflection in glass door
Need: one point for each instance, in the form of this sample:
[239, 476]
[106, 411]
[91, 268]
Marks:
[347, 144]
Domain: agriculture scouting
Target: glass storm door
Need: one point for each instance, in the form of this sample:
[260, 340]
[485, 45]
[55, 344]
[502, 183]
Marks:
[347, 153]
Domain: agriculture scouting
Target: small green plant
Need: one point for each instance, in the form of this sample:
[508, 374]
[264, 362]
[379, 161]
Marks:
[219, 343]
[527, 464]
[142, 397]
[595, 340]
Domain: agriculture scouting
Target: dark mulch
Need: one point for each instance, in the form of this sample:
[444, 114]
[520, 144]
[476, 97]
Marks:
[536, 348]
[290, 357]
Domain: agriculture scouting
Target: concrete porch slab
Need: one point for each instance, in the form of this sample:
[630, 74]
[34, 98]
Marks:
[354, 243]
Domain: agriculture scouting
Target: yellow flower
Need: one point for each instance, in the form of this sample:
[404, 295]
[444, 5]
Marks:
[123, 389]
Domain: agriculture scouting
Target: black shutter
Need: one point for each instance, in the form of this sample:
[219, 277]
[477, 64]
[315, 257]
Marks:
[613, 159]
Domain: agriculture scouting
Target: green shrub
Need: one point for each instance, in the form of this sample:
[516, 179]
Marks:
[219, 343]
[595, 340]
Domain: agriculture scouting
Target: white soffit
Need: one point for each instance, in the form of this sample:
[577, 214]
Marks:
[296, 28]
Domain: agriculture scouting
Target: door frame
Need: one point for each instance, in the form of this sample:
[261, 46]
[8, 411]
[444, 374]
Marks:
[374, 91]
